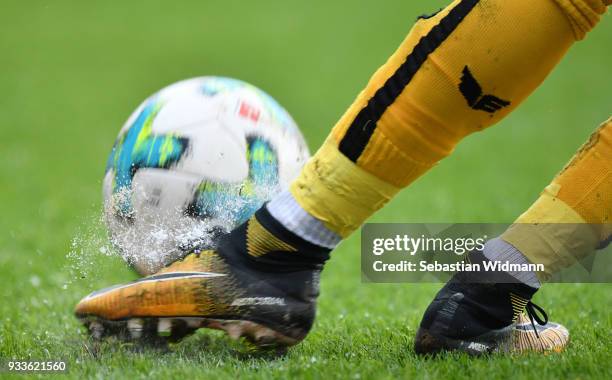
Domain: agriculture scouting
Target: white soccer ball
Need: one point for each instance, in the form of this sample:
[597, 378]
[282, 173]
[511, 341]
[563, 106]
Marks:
[195, 159]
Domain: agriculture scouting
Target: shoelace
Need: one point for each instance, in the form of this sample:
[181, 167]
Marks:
[532, 312]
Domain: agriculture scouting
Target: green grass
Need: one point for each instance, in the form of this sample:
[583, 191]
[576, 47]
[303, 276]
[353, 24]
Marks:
[71, 72]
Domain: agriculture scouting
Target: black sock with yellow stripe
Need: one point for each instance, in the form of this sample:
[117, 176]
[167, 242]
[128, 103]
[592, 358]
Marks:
[265, 243]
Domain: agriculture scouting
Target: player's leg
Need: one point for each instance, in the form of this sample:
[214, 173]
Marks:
[579, 198]
[474, 311]
[457, 72]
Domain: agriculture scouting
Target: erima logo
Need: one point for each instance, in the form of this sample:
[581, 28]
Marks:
[472, 92]
[253, 301]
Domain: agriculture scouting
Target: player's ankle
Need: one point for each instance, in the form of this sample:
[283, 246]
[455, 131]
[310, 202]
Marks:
[498, 250]
[267, 243]
[293, 217]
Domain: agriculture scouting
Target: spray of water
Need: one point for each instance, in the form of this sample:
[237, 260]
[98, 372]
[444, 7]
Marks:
[154, 238]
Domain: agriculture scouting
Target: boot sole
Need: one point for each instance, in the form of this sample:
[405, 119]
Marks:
[164, 330]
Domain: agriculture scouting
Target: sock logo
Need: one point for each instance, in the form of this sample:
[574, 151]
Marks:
[472, 92]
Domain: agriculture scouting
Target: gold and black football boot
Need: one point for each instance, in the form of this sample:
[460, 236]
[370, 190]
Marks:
[260, 283]
[485, 312]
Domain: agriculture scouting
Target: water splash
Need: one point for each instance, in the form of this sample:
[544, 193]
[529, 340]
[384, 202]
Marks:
[150, 239]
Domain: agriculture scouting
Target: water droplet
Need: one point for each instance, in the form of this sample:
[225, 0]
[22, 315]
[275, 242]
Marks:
[35, 281]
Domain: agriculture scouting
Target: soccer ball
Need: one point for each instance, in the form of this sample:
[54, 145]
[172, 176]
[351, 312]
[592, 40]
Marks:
[193, 161]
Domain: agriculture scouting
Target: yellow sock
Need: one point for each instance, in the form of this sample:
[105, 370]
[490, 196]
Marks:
[573, 214]
[456, 73]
